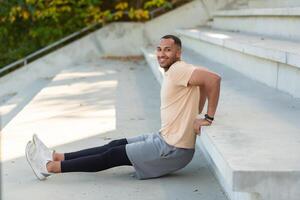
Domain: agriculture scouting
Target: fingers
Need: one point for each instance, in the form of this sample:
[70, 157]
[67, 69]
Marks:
[196, 126]
[198, 123]
[199, 131]
[203, 122]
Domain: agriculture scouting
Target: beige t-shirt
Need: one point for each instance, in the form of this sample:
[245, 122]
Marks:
[179, 106]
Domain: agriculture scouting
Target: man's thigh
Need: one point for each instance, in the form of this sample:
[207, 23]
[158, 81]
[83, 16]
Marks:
[139, 138]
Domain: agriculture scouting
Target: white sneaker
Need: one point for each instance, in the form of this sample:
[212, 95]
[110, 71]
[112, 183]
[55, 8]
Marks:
[48, 153]
[37, 161]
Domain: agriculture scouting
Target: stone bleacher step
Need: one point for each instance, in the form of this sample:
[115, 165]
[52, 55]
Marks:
[281, 23]
[282, 51]
[254, 143]
[273, 3]
[273, 62]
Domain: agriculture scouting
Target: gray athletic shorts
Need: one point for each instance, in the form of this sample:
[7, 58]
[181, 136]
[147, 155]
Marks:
[152, 157]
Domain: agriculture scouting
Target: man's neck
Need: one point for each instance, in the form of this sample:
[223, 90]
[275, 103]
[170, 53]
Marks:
[167, 68]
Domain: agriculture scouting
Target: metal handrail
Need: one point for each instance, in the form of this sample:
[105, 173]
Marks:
[43, 50]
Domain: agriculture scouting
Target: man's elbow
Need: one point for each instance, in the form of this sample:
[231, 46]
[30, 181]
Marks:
[213, 82]
[217, 78]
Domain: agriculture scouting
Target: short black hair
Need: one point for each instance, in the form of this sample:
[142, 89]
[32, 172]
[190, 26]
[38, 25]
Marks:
[176, 39]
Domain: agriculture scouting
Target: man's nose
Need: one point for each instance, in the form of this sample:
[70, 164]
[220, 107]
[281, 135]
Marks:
[161, 54]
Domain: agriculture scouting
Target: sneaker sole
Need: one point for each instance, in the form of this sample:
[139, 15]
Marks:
[35, 171]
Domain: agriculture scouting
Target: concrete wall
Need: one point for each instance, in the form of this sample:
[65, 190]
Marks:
[48, 66]
[121, 39]
[212, 5]
[118, 39]
[187, 16]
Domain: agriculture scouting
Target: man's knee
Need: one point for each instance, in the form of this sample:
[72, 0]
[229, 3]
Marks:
[119, 142]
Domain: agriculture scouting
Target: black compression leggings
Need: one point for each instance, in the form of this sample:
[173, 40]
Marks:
[96, 159]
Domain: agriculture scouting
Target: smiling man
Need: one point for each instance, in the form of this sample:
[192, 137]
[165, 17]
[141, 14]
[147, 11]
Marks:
[184, 91]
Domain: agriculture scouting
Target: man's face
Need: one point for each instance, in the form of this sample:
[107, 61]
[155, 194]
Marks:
[167, 53]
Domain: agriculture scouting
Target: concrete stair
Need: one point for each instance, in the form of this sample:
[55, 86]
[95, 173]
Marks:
[269, 55]
[275, 63]
[253, 145]
[281, 23]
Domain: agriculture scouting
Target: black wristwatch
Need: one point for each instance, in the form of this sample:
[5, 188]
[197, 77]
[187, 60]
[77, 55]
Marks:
[208, 118]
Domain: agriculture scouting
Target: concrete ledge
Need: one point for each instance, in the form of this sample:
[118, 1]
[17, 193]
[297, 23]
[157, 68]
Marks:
[295, 11]
[221, 168]
[253, 160]
[269, 61]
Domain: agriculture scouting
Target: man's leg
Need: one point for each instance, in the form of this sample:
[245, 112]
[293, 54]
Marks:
[99, 150]
[90, 151]
[113, 157]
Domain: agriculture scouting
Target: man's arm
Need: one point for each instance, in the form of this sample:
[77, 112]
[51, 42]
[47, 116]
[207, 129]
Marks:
[210, 83]
[203, 97]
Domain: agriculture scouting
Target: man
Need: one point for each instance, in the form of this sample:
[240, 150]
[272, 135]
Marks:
[184, 91]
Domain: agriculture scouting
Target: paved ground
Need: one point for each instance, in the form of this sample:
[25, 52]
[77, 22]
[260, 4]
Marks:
[89, 105]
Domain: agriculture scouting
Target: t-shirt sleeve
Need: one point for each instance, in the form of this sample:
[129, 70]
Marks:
[181, 73]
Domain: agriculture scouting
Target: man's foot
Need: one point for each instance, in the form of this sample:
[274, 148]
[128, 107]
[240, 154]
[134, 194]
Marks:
[48, 153]
[37, 161]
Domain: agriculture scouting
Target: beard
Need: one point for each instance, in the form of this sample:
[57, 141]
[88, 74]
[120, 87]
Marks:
[168, 62]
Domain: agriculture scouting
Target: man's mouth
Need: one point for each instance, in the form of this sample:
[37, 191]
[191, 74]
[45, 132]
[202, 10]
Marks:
[161, 60]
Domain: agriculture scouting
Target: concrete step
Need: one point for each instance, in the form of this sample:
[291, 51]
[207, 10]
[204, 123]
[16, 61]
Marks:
[253, 144]
[275, 63]
[282, 23]
[86, 106]
[273, 3]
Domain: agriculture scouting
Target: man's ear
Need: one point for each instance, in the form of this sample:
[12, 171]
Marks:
[178, 54]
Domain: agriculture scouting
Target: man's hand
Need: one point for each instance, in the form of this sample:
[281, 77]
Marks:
[198, 123]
